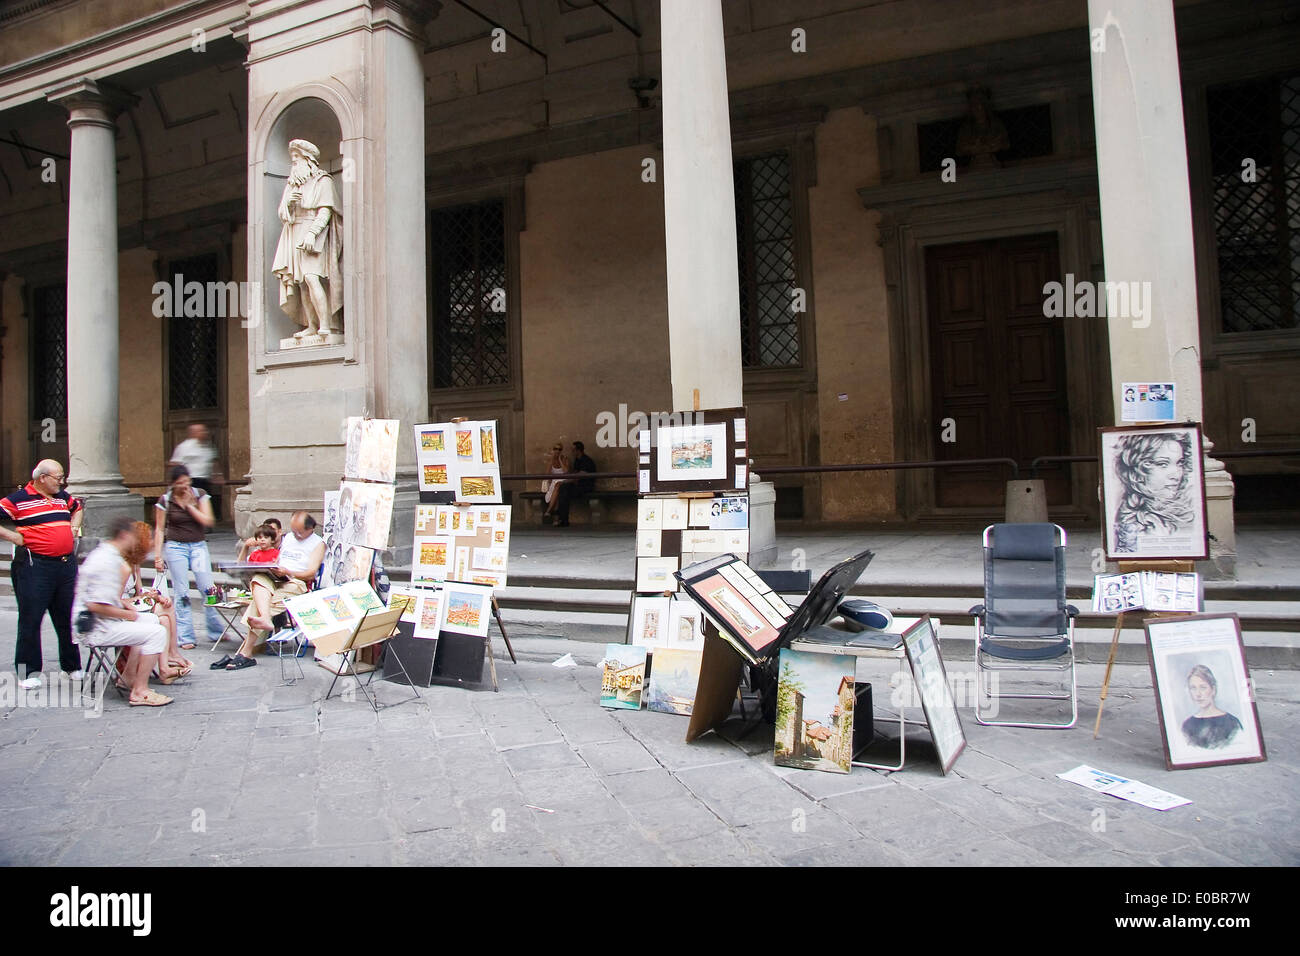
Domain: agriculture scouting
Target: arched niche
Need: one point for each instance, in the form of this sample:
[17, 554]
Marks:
[312, 119]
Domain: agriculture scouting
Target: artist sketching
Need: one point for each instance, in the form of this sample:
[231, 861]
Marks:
[1155, 472]
[1210, 727]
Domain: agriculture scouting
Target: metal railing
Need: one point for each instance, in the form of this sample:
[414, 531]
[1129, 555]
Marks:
[801, 469]
[1080, 459]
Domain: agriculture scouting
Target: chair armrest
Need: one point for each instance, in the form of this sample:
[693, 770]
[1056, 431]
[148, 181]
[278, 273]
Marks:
[1071, 610]
[977, 611]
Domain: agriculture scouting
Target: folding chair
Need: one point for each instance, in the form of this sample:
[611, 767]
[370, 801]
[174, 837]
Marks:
[102, 666]
[1024, 623]
[375, 627]
[291, 637]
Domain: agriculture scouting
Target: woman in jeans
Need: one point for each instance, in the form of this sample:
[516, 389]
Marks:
[181, 519]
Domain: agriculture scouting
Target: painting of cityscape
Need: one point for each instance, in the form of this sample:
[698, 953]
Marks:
[814, 711]
[673, 680]
[623, 678]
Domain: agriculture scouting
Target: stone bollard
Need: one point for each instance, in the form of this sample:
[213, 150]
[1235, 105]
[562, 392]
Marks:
[1026, 501]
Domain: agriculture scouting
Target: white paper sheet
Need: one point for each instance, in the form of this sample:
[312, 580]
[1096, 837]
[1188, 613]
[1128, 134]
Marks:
[1123, 788]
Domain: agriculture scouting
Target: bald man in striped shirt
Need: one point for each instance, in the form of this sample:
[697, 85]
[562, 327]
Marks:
[44, 568]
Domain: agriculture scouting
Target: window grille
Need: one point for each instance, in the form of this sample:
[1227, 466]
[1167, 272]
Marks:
[1255, 166]
[765, 247]
[193, 342]
[471, 340]
[50, 352]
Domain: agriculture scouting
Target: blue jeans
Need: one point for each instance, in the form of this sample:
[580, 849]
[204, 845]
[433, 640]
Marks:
[183, 557]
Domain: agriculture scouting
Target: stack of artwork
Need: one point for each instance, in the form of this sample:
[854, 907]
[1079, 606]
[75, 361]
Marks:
[459, 460]
[1146, 590]
[694, 504]
[359, 515]
[328, 615]
[461, 544]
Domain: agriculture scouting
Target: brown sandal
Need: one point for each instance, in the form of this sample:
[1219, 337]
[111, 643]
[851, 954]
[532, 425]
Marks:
[151, 699]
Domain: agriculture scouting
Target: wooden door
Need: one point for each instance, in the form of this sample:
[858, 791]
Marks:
[997, 366]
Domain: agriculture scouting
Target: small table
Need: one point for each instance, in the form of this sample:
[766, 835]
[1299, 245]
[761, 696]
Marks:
[230, 612]
[898, 626]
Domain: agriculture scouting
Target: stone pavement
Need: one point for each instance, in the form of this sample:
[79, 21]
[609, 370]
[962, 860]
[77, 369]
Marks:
[243, 771]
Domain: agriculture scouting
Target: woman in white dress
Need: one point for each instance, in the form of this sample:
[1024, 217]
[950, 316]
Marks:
[556, 464]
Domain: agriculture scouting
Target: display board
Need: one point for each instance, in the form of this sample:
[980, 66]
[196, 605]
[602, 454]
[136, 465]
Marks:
[459, 461]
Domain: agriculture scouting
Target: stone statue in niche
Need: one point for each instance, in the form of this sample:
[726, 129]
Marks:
[982, 134]
[309, 257]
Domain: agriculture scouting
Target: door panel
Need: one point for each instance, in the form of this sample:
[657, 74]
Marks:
[998, 365]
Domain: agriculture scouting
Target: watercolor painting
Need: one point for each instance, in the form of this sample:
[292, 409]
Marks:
[814, 711]
[673, 679]
[432, 440]
[623, 677]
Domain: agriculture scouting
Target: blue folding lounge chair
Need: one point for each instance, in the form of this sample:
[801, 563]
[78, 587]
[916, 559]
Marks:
[1024, 623]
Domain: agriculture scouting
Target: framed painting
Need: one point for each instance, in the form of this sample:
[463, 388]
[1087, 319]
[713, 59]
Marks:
[1153, 493]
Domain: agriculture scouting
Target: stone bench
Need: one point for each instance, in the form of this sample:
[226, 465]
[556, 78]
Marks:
[597, 502]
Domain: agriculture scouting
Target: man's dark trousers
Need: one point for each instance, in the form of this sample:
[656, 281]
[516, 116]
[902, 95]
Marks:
[44, 584]
[568, 491]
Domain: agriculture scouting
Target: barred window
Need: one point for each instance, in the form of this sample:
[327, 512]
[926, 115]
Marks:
[1255, 163]
[193, 342]
[50, 352]
[471, 340]
[769, 328]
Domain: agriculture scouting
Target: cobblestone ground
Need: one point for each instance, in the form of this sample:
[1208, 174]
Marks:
[241, 770]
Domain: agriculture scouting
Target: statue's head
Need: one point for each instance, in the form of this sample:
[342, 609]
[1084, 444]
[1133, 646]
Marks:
[303, 154]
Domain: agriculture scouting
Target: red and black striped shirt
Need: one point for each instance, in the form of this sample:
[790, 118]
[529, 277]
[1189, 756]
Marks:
[45, 523]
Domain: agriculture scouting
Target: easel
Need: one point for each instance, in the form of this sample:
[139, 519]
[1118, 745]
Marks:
[373, 628]
[1132, 567]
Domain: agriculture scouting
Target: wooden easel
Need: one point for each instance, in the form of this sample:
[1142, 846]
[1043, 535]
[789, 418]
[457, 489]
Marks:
[1130, 567]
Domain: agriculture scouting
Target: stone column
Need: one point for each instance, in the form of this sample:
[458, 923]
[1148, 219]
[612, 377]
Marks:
[700, 231]
[699, 208]
[402, 374]
[92, 365]
[1146, 220]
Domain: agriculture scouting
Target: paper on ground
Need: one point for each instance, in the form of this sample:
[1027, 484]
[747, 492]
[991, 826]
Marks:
[565, 661]
[1123, 788]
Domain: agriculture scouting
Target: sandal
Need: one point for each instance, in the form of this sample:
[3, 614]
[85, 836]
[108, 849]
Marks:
[188, 647]
[151, 699]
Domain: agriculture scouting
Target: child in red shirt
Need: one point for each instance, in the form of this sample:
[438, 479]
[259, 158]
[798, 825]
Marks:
[264, 549]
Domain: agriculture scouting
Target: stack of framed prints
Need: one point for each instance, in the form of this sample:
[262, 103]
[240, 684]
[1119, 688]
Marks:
[459, 461]
[1147, 590]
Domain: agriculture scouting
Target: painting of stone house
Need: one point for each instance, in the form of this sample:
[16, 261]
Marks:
[814, 714]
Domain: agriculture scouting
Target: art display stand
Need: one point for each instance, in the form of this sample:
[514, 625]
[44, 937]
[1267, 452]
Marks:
[456, 458]
[374, 628]
[1130, 567]
[721, 669]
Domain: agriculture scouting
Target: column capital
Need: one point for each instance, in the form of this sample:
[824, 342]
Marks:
[90, 102]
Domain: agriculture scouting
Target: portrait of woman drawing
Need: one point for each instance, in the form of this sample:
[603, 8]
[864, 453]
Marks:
[1210, 727]
[1154, 493]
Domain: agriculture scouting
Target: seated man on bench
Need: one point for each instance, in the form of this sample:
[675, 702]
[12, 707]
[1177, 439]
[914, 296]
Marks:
[571, 488]
[301, 553]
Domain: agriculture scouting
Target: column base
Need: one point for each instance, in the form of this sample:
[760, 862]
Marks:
[101, 509]
[762, 524]
[1219, 495]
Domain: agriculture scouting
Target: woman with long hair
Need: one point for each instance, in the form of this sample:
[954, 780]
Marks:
[1155, 473]
[182, 518]
[557, 463]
